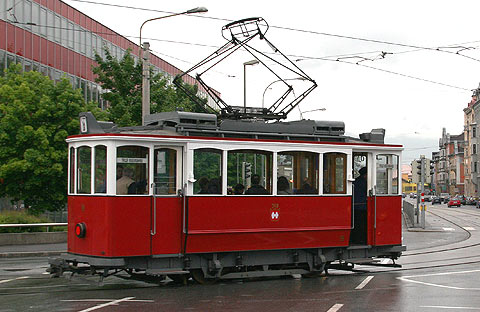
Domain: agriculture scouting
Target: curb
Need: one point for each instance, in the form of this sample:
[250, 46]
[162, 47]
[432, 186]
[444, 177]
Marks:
[28, 254]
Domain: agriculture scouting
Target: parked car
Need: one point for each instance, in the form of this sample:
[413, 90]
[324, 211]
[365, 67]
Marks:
[454, 202]
[463, 200]
[428, 198]
[436, 200]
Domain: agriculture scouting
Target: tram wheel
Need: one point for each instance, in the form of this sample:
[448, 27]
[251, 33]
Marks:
[199, 277]
[179, 278]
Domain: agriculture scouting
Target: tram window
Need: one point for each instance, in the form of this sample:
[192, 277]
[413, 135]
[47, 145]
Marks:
[387, 174]
[72, 170]
[165, 171]
[207, 169]
[297, 173]
[84, 170]
[251, 169]
[100, 169]
[132, 170]
[334, 173]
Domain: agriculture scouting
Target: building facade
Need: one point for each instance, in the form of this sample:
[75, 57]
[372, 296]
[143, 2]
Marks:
[472, 144]
[57, 40]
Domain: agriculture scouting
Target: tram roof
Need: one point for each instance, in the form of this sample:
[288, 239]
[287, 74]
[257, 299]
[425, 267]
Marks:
[207, 125]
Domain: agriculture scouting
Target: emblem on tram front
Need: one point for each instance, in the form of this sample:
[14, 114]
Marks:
[275, 212]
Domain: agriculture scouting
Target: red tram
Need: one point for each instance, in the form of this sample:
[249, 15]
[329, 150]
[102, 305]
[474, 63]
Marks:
[180, 196]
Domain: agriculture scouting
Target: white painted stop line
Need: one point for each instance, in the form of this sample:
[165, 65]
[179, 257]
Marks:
[335, 307]
[365, 282]
[468, 228]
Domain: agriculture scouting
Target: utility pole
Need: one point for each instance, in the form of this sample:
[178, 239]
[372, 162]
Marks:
[422, 182]
[146, 81]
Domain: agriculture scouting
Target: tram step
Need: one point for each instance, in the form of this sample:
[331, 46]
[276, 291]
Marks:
[165, 272]
[353, 247]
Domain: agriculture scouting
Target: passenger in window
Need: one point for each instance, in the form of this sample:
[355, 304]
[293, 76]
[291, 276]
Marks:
[125, 181]
[203, 183]
[238, 189]
[283, 186]
[214, 186]
[119, 171]
[256, 188]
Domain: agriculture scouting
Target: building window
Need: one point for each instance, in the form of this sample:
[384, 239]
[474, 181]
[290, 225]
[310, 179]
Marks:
[475, 166]
[58, 29]
[474, 148]
[474, 131]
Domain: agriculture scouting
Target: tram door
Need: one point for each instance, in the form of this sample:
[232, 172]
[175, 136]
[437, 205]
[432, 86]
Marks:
[360, 200]
[166, 201]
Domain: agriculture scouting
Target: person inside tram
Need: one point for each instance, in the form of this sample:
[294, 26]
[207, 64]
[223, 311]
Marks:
[238, 189]
[214, 187]
[359, 232]
[125, 181]
[256, 188]
[203, 183]
[283, 186]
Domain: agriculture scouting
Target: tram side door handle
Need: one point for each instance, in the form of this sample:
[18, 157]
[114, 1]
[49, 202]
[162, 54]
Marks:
[370, 192]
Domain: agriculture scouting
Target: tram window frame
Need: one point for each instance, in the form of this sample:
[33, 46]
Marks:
[171, 188]
[72, 170]
[233, 166]
[140, 176]
[304, 177]
[203, 184]
[100, 184]
[330, 172]
[84, 170]
[385, 185]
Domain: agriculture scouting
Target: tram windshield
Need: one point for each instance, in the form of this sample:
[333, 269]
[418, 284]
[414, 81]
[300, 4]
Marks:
[132, 170]
[387, 174]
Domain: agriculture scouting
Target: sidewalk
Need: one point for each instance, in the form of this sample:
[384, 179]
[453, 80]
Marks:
[36, 250]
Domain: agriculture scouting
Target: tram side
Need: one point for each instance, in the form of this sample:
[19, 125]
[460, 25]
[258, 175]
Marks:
[227, 208]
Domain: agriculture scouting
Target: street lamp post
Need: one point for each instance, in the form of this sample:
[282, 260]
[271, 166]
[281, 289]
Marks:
[145, 56]
[252, 62]
[263, 96]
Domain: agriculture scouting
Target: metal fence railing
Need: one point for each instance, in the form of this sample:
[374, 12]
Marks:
[47, 225]
[409, 211]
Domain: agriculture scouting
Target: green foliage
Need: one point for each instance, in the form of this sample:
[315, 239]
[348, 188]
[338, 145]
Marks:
[123, 79]
[36, 116]
[15, 217]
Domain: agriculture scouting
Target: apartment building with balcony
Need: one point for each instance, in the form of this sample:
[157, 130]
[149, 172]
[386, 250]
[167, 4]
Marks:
[451, 172]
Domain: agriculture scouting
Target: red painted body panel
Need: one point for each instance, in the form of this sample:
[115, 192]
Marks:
[389, 221]
[116, 226]
[258, 223]
[120, 226]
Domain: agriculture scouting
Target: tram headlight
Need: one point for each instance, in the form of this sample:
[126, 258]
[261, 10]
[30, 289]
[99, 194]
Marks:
[81, 230]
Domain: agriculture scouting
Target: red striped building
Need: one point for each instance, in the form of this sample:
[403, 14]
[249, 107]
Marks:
[56, 39]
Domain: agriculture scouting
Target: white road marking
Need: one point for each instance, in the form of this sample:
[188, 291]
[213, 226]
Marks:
[445, 307]
[365, 282]
[408, 279]
[468, 228]
[114, 302]
[13, 279]
[103, 300]
[449, 229]
[335, 307]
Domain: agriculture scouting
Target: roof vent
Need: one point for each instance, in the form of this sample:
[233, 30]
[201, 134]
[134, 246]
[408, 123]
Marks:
[374, 136]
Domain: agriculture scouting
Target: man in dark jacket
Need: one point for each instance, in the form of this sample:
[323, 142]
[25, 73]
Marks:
[256, 188]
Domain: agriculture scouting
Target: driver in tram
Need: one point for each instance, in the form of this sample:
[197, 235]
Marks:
[125, 181]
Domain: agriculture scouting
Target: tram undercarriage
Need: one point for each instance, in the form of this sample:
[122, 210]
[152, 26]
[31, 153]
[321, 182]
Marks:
[206, 268]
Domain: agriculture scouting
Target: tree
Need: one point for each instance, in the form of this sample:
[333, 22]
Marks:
[36, 116]
[123, 80]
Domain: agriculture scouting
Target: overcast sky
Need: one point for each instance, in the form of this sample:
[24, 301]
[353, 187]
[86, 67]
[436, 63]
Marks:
[421, 85]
